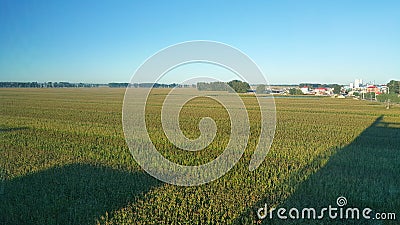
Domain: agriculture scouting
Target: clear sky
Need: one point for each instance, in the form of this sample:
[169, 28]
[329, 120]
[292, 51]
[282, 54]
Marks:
[292, 41]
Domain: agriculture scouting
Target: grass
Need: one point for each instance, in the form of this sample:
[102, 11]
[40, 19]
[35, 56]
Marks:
[64, 160]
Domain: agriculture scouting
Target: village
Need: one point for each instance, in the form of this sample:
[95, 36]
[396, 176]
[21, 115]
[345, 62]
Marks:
[356, 89]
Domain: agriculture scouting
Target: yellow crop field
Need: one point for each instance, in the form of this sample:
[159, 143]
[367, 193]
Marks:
[64, 160]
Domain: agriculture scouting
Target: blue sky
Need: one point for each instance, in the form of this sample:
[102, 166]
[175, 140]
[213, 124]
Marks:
[291, 41]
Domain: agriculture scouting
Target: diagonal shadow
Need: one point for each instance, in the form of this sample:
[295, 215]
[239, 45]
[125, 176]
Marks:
[72, 194]
[366, 172]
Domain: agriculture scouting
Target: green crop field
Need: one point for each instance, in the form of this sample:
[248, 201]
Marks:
[64, 160]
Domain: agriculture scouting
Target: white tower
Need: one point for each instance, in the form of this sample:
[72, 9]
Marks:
[357, 83]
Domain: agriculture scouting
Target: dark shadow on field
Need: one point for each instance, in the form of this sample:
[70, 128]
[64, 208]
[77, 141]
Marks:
[366, 173]
[9, 129]
[72, 194]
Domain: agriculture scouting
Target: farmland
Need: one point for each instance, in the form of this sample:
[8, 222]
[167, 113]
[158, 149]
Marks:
[64, 160]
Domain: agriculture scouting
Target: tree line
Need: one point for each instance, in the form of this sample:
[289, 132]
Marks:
[46, 85]
[394, 87]
[150, 85]
[86, 85]
[237, 85]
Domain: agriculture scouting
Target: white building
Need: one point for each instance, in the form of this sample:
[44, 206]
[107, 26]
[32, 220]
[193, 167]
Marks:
[305, 90]
[357, 83]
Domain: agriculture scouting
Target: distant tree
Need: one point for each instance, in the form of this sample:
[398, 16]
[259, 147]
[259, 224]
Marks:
[118, 85]
[260, 89]
[46, 85]
[295, 91]
[369, 95]
[336, 88]
[311, 85]
[394, 87]
[201, 86]
[239, 86]
[394, 98]
[213, 86]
